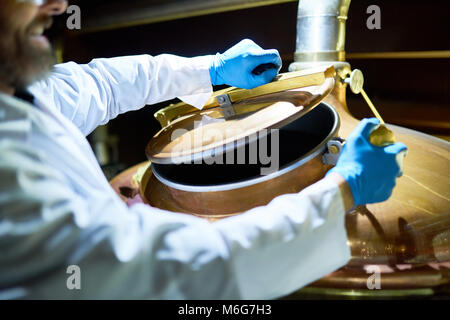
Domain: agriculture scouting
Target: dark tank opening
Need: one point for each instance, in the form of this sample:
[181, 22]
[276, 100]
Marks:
[296, 140]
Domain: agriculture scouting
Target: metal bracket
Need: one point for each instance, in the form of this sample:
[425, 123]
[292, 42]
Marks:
[333, 151]
[226, 105]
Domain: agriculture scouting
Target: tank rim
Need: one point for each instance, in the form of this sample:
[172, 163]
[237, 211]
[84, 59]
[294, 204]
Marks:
[319, 149]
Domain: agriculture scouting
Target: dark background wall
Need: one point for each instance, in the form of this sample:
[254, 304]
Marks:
[410, 92]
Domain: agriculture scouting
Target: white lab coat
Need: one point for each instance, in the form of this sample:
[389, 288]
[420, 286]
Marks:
[57, 208]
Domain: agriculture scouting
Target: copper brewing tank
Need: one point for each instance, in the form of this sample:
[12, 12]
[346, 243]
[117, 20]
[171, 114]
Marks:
[216, 191]
[407, 237]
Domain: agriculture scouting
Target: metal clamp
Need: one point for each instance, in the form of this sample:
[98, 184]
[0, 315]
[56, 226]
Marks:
[226, 105]
[333, 151]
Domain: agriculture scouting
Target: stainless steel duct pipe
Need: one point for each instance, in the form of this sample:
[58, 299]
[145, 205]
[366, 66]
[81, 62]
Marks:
[320, 33]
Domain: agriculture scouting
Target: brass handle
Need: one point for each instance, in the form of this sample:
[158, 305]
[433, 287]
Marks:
[381, 136]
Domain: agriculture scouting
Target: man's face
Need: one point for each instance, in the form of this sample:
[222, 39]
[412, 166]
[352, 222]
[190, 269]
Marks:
[25, 53]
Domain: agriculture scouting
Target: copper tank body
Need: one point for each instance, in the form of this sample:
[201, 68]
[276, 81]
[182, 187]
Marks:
[407, 237]
[412, 226]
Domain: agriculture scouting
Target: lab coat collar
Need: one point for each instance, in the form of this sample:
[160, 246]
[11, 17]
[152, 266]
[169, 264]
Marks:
[25, 95]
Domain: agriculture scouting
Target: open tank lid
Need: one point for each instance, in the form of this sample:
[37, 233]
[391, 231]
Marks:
[234, 117]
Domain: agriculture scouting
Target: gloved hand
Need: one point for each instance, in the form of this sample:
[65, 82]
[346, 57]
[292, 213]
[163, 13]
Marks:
[236, 67]
[370, 171]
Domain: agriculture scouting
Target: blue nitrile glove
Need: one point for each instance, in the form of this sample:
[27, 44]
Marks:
[246, 65]
[370, 171]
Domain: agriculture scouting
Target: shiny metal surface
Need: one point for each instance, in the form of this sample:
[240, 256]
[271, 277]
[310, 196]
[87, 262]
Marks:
[382, 136]
[412, 227]
[408, 236]
[317, 151]
[221, 204]
[208, 133]
[320, 32]
[219, 200]
[241, 97]
[402, 229]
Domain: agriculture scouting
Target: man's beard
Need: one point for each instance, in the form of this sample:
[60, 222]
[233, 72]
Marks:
[21, 63]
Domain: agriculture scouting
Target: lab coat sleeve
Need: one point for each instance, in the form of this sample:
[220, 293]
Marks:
[142, 252]
[92, 94]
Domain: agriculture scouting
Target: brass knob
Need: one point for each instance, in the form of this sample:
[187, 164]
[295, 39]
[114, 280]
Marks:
[356, 81]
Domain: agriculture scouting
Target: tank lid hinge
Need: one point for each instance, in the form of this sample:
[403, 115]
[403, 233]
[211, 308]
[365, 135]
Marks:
[226, 105]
